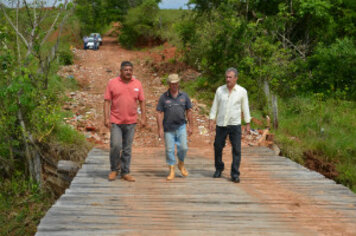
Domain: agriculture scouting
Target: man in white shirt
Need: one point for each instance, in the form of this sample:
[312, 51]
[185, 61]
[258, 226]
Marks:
[229, 101]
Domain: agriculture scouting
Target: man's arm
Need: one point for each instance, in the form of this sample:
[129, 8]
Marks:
[189, 114]
[159, 118]
[143, 113]
[107, 104]
[246, 112]
[213, 112]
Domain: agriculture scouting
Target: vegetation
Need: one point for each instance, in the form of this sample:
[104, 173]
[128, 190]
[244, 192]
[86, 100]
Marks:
[320, 134]
[34, 42]
[141, 25]
[146, 25]
[22, 205]
[95, 15]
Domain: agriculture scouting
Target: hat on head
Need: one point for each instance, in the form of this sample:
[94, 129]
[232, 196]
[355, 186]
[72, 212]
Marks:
[173, 78]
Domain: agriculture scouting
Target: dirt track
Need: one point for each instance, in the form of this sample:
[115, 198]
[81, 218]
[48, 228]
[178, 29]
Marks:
[94, 68]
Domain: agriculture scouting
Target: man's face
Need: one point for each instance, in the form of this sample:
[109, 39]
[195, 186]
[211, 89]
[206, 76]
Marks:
[230, 79]
[173, 87]
[126, 72]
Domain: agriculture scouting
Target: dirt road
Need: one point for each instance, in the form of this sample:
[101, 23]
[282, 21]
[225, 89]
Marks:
[93, 69]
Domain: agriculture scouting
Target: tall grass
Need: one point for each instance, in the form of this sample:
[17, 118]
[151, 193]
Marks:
[22, 205]
[326, 128]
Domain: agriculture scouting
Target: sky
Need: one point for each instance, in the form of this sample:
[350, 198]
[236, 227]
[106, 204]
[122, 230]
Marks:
[165, 4]
[173, 4]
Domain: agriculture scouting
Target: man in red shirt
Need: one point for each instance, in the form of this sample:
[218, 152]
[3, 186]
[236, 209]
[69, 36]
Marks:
[120, 116]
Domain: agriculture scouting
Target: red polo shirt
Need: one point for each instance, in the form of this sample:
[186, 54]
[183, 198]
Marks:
[123, 97]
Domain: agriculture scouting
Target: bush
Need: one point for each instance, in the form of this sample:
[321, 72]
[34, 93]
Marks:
[65, 57]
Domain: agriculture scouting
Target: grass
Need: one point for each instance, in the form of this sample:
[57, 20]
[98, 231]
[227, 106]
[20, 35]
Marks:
[327, 128]
[22, 205]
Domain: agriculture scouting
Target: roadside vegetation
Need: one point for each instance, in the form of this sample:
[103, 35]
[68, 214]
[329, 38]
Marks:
[97, 15]
[34, 43]
[297, 58]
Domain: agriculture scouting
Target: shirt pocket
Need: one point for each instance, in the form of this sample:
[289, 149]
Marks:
[167, 106]
[136, 92]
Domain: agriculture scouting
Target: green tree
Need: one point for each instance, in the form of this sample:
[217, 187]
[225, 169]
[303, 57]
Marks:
[140, 26]
[26, 98]
[334, 69]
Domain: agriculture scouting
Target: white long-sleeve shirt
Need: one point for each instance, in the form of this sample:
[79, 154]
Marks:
[227, 107]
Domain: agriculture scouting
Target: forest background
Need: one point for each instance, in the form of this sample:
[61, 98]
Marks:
[296, 58]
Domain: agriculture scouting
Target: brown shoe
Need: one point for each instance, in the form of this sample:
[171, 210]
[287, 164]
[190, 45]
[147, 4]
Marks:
[112, 175]
[128, 177]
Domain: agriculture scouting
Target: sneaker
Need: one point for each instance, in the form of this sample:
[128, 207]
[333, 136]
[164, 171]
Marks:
[128, 178]
[112, 175]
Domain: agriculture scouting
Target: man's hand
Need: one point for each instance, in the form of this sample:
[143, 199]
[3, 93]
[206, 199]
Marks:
[211, 125]
[160, 133]
[107, 104]
[190, 131]
[248, 128]
[107, 123]
[143, 122]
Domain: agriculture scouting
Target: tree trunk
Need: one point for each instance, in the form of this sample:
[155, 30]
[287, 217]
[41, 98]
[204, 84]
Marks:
[29, 169]
[275, 111]
[34, 166]
[267, 92]
[17, 36]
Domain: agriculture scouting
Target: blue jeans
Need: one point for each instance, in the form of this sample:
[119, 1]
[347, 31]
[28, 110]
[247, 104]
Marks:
[179, 138]
[121, 138]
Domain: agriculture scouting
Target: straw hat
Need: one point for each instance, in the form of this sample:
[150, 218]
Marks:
[173, 78]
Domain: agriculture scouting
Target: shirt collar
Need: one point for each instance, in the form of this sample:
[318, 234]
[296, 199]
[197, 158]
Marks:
[168, 94]
[120, 79]
[233, 89]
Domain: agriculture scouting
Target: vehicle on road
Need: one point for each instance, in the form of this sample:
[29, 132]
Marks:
[92, 44]
[98, 36]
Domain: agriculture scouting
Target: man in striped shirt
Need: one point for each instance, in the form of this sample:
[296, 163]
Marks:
[229, 101]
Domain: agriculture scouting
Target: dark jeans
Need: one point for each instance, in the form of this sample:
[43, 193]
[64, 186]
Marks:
[234, 132]
[120, 147]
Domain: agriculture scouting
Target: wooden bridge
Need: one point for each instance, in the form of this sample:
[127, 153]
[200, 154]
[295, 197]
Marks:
[275, 197]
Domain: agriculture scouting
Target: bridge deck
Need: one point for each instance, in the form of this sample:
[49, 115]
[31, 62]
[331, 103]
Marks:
[275, 197]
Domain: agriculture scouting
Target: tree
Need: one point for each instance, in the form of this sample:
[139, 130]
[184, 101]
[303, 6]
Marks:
[24, 93]
[140, 26]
